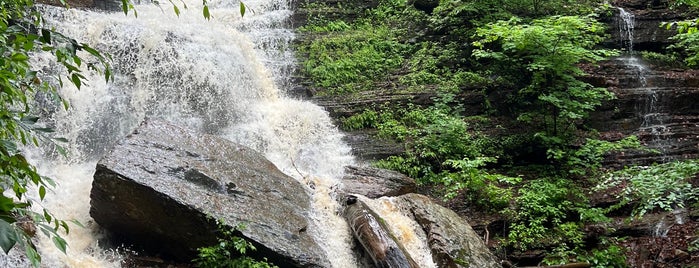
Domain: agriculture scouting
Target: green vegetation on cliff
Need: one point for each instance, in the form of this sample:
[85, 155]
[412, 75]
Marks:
[526, 154]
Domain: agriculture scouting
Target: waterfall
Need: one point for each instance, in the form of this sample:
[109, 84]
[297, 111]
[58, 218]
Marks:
[626, 25]
[226, 77]
[649, 108]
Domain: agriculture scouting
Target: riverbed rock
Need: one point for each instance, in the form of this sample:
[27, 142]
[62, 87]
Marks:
[163, 187]
[648, 31]
[376, 182]
[660, 108]
[451, 239]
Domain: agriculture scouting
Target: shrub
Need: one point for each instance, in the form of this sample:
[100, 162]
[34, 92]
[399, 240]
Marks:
[661, 186]
[229, 252]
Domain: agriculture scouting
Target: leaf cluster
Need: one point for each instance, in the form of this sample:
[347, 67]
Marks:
[545, 54]
[662, 186]
[229, 252]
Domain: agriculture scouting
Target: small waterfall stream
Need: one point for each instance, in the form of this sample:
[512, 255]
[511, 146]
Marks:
[225, 77]
[650, 108]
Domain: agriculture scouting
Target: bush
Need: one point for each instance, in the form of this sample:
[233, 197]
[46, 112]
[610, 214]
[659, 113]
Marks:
[229, 252]
[662, 186]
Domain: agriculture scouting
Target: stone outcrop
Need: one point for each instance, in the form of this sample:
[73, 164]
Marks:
[659, 105]
[654, 102]
[648, 17]
[162, 186]
[451, 239]
[365, 144]
[375, 182]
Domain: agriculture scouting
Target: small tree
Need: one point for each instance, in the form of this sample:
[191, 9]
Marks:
[545, 54]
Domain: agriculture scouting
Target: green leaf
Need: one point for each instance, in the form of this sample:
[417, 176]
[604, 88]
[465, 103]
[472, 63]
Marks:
[47, 216]
[46, 36]
[107, 74]
[45, 129]
[6, 204]
[61, 150]
[33, 256]
[19, 57]
[125, 6]
[60, 243]
[30, 119]
[206, 13]
[76, 80]
[42, 192]
[242, 9]
[8, 146]
[76, 222]
[8, 236]
[60, 139]
[177, 10]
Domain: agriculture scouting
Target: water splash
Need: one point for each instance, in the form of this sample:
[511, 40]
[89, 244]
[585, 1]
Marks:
[221, 77]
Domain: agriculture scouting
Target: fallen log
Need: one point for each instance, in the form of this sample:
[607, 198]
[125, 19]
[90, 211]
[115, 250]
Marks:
[372, 234]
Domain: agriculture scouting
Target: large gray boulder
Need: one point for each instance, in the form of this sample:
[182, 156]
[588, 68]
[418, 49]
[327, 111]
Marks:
[162, 187]
[451, 239]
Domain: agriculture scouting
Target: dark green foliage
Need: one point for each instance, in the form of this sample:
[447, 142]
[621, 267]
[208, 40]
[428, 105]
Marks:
[541, 215]
[663, 186]
[348, 61]
[587, 159]
[606, 254]
[544, 54]
[441, 150]
[347, 57]
[612, 256]
[687, 40]
[525, 58]
[229, 252]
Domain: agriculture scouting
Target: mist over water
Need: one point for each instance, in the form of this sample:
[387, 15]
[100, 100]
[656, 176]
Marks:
[226, 77]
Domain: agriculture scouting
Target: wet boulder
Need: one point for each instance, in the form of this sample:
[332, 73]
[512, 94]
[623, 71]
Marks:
[162, 188]
[375, 182]
[452, 241]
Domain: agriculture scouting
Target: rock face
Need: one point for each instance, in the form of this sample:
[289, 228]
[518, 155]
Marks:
[648, 17]
[659, 105]
[656, 103]
[162, 186]
[452, 241]
[108, 5]
[376, 182]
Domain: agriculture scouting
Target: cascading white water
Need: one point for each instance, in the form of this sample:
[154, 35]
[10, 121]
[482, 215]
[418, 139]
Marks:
[653, 118]
[221, 77]
[626, 25]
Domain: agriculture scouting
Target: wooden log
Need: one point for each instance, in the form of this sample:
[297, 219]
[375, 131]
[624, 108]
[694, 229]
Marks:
[371, 232]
